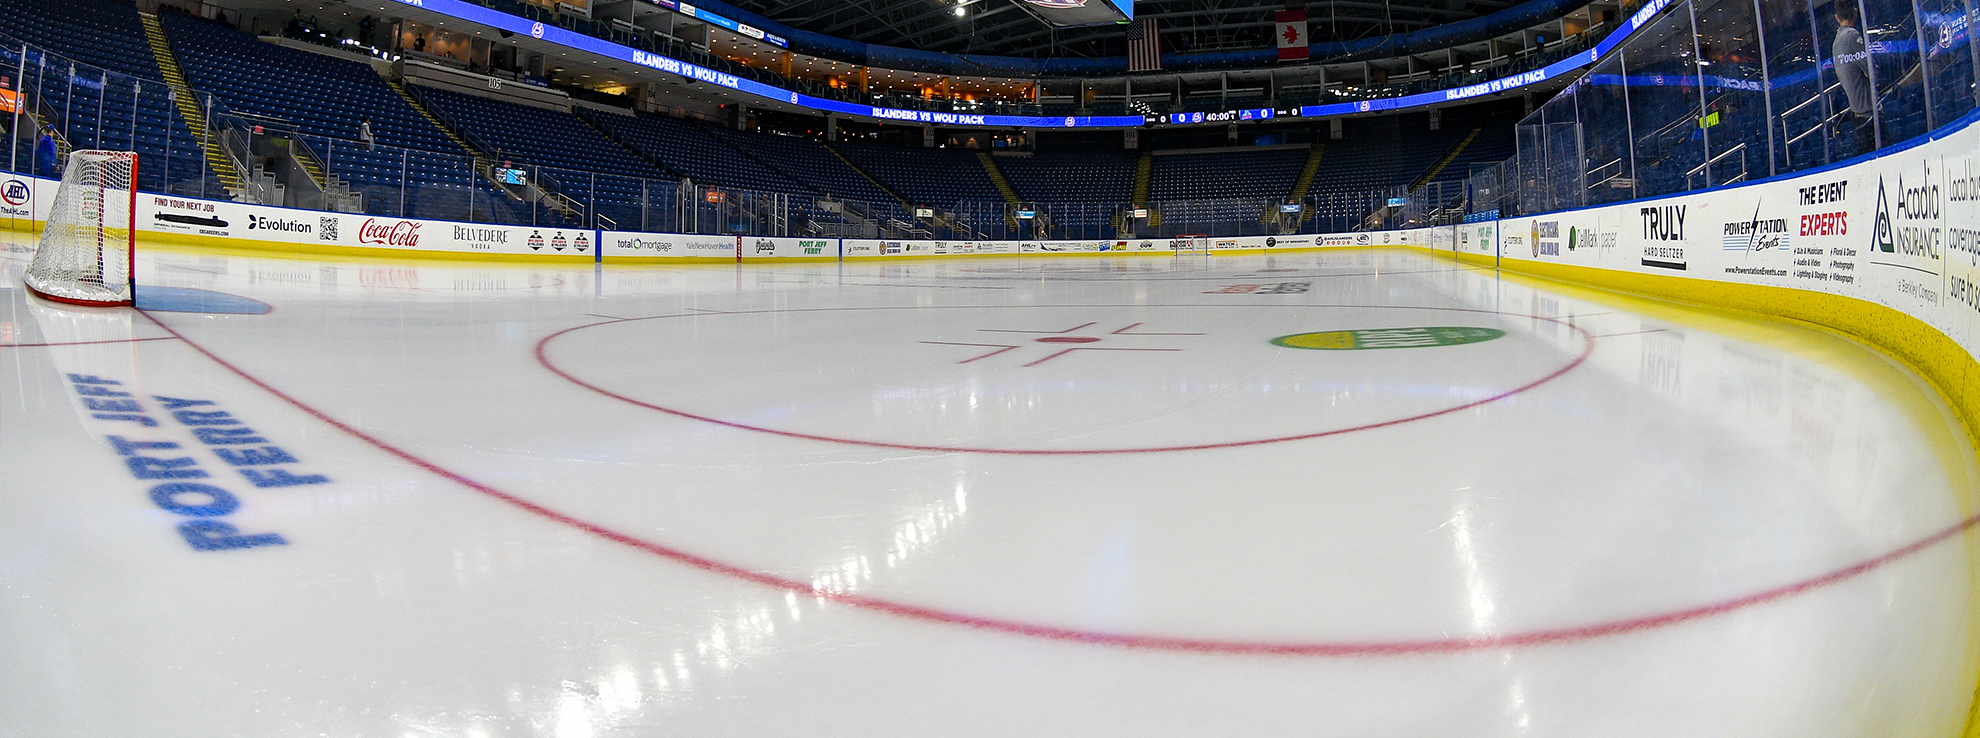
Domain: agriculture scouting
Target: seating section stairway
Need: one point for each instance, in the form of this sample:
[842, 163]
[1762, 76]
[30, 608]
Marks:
[102, 88]
[807, 163]
[192, 108]
[105, 75]
[927, 177]
[568, 156]
[325, 99]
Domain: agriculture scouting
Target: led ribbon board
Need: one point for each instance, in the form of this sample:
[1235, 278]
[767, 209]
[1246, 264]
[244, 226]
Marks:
[489, 17]
[515, 24]
[692, 11]
[1636, 22]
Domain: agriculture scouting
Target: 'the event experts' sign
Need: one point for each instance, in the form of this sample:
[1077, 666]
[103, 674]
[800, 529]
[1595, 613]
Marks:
[1902, 231]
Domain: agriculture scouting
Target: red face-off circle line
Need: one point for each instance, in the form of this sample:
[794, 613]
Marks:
[1461, 644]
[542, 357]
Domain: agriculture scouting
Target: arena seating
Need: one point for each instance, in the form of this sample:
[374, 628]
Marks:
[627, 157]
[1071, 176]
[109, 37]
[806, 161]
[321, 95]
[1228, 173]
[326, 99]
[686, 150]
[1382, 152]
[540, 136]
[570, 153]
[1493, 144]
[936, 177]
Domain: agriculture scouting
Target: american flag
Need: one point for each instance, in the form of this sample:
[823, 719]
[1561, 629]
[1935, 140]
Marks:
[1144, 45]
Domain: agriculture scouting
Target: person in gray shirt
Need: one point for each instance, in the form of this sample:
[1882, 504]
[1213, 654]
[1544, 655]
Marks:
[1852, 60]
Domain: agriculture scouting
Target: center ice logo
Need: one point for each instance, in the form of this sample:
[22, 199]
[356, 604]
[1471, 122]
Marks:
[1388, 338]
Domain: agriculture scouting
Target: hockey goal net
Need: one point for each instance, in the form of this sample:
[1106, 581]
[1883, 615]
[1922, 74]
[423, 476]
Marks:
[86, 252]
[1191, 242]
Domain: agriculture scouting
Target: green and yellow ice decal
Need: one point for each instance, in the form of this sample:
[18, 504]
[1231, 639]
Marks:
[1388, 338]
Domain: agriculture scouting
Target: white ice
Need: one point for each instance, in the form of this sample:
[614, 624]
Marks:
[866, 499]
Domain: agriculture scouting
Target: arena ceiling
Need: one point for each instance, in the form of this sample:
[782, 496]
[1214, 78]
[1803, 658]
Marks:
[1001, 27]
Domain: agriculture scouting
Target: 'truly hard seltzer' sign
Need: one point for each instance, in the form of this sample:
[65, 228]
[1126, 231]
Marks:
[1387, 338]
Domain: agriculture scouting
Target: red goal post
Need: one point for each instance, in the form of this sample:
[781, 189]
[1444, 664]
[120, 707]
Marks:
[88, 249]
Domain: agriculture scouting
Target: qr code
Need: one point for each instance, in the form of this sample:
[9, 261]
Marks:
[326, 229]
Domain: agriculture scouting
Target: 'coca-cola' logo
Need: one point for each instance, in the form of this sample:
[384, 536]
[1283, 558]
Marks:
[389, 233]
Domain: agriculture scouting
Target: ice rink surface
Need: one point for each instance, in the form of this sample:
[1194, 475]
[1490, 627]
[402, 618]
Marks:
[1348, 493]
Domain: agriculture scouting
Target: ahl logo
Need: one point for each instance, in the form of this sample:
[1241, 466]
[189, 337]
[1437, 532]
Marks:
[557, 241]
[389, 233]
[258, 223]
[15, 192]
[536, 240]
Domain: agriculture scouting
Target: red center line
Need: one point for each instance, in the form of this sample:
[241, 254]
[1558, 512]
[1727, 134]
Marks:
[1124, 332]
[1457, 644]
[1001, 348]
[1094, 348]
[89, 343]
[1007, 330]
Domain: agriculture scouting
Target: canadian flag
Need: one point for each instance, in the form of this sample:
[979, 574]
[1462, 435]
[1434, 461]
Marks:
[1291, 34]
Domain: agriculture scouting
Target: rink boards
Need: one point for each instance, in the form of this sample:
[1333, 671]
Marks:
[1886, 250]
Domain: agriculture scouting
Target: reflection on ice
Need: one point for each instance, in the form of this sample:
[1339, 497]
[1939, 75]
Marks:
[1416, 578]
